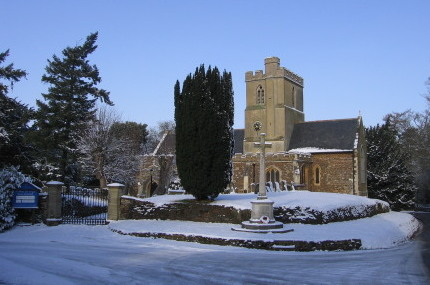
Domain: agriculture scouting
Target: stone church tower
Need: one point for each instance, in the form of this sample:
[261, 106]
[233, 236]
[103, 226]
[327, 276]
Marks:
[320, 156]
[274, 99]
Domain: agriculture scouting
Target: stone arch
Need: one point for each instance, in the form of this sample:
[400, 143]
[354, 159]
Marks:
[273, 174]
[303, 174]
[150, 190]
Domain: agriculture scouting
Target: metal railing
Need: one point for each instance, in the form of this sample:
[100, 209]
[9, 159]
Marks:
[84, 205]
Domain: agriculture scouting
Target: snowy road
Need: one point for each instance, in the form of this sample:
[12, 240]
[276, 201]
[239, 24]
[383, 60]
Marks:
[70, 254]
[424, 238]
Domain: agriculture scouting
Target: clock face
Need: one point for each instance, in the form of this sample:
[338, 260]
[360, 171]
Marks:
[257, 126]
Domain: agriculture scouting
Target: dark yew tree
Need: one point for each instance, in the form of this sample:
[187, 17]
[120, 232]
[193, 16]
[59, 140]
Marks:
[204, 113]
[14, 118]
[388, 176]
[69, 105]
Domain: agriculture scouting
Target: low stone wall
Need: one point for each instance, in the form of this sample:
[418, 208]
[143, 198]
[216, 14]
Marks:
[198, 211]
[195, 211]
[312, 216]
[277, 245]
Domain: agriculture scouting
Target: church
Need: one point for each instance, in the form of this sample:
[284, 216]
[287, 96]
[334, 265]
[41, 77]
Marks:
[320, 156]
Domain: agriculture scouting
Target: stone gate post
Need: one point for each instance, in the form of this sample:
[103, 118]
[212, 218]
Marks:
[53, 215]
[114, 200]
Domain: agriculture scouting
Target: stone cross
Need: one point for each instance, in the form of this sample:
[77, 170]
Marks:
[262, 194]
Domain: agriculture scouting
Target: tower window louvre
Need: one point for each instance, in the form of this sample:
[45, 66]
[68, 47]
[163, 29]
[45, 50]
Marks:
[260, 95]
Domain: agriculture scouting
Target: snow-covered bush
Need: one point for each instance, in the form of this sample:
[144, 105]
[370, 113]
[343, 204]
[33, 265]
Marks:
[10, 179]
[46, 171]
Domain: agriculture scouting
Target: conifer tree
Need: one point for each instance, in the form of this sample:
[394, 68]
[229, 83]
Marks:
[204, 136]
[388, 177]
[14, 118]
[69, 104]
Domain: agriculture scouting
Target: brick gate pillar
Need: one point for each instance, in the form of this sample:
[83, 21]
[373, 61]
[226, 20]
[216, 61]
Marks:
[53, 211]
[114, 200]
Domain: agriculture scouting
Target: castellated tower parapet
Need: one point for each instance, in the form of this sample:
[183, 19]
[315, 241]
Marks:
[273, 69]
[275, 99]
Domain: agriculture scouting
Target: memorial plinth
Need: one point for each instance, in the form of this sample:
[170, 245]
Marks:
[262, 219]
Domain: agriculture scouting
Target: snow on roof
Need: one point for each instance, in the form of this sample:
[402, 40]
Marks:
[115, 185]
[55, 183]
[29, 186]
[316, 150]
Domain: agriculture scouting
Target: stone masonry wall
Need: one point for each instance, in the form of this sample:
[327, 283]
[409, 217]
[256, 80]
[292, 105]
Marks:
[336, 170]
[248, 165]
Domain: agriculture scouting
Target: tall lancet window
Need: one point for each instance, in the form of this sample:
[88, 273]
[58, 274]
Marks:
[317, 175]
[260, 95]
[294, 97]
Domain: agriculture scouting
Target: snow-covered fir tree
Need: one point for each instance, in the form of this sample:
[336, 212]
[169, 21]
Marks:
[204, 113]
[68, 105]
[388, 177]
[14, 118]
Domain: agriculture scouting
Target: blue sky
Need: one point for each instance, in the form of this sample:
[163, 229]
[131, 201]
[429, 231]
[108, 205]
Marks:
[368, 56]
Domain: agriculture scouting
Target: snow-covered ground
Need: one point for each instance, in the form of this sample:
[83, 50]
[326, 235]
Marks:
[78, 254]
[304, 199]
[380, 231]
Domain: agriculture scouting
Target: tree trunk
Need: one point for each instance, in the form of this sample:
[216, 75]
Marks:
[103, 182]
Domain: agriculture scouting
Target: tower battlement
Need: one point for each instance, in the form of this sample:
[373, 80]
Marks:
[273, 69]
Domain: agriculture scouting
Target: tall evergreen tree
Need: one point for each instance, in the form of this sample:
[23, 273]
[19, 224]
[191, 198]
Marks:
[14, 118]
[388, 177]
[204, 113]
[9, 73]
[69, 104]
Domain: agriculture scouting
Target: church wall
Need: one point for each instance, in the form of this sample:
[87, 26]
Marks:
[251, 116]
[163, 168]
[336, 172]
[291, 115]
[246, 168]
[148, 162]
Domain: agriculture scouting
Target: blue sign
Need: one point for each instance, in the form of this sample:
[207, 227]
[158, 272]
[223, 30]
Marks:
[25, 199]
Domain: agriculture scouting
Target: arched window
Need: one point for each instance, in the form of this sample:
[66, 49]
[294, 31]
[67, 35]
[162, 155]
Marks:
[317, 175]
[302, 175]
[260, 95]
[272, 175]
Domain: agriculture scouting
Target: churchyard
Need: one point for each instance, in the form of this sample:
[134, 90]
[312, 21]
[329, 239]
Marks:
[155, 251]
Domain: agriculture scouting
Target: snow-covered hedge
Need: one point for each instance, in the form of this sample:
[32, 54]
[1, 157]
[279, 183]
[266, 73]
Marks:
[10, 179]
